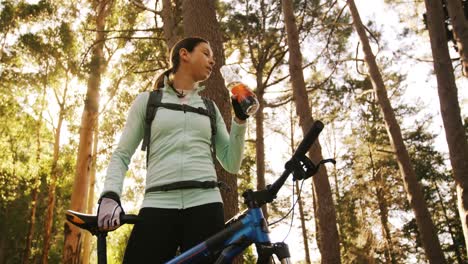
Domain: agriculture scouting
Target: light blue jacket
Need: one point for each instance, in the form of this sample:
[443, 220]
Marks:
[179, 151]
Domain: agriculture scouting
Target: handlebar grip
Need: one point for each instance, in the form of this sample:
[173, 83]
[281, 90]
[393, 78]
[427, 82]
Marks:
[129, 219]
[309, 138]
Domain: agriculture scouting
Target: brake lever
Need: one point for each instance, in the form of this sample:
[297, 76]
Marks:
[303, 168]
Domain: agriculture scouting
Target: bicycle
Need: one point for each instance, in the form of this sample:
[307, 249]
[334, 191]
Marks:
[246, 228]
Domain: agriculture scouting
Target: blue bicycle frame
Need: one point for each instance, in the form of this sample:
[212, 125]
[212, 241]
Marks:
[248, 227]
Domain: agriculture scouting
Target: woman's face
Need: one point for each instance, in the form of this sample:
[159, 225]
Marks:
[200, 62]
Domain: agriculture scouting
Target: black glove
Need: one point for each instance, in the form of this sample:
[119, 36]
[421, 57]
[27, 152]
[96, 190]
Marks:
[238, 109]
[109, 212]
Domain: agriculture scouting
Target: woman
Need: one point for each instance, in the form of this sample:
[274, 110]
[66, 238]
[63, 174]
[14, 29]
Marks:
[179, 151]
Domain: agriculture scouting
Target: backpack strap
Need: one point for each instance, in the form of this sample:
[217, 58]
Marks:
[154, 102]
[210, 107]
[151, 109]
[183, 107]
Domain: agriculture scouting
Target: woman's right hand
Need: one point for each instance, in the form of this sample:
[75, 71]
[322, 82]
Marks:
[109, 212]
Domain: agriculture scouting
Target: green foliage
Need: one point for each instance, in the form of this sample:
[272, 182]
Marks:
[7, 15]
[439, 193]
[19, 172]
[254, 33]
[249, 256]
[15, 12]
[27, 11]
[118, 241]
[369, 179]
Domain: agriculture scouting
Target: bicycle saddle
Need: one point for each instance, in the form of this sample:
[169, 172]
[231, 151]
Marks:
[84, 221]
[89, 221]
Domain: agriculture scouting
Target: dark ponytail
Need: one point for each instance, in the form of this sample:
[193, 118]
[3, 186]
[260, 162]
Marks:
[160, 79]
[187, 43]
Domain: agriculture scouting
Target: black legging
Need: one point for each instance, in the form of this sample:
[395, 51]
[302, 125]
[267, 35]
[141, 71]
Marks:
[157, 236]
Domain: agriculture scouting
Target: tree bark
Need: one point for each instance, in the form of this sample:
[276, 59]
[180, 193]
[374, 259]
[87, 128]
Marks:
[316, 221]
[383, 208]
[36, 183]
[303, 224]
[73, 235]
[92, 183]
[3, 238]
[169, 24]
[449, 108]
[200, 20]
[383, 213]
[300, 203]
[259, 138]
[326, 215]
[413, 189]
[460, 31]
[32, 222]
[54, 174]
[456, 248]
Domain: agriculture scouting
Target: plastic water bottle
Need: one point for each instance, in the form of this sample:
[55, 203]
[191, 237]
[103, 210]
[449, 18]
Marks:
[243, 94]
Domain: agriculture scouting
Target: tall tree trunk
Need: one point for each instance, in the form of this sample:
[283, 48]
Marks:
[36, 183]
[413, 189]
[54, 175]
[303, 224]
[326, 215]
[316, 220]
[259, 137]
[383, 213]
[456, 248]
[92, 183]
[460, 31]
[300, 202]
[449, 108]
[169, 23]
[32, 222]
[338, 197]
[73, 235]
[200, 20]
[380, 194]
[338, 201]
[3, 238]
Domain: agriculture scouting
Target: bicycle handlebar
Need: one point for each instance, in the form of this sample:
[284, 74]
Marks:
[309, 139]
[259, 198]
[129, 219]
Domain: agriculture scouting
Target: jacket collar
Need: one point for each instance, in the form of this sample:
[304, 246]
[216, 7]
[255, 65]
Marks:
[198, 88]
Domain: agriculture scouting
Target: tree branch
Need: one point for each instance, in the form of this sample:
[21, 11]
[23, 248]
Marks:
[118, 37]
[280, 102]
[142, 6]
[356, 59]
[121, 30]
[334, 25]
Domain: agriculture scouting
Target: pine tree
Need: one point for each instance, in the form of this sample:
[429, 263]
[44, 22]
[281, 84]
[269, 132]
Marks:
[458, 13]
[326, 215]
[449, 108]
[414, 192]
